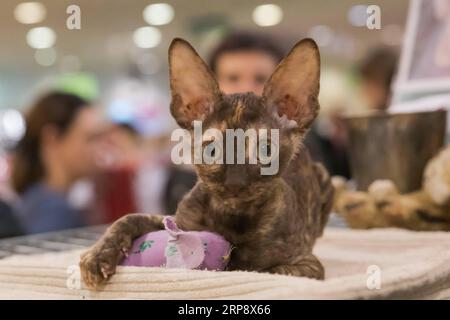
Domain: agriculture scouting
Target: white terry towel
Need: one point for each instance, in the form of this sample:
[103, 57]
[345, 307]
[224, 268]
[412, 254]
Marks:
[373, 264]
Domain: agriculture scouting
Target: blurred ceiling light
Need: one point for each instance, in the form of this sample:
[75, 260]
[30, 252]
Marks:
[267, 15]
[45, 57]
[158, 14]
[70, 64]
[30, 12]
[392, 35]
[13, 124]
[357, 15]
[41, 37]
[321, 34]
[147, 37]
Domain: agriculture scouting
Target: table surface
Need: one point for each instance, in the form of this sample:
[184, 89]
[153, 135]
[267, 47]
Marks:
[51, 241]
[77, 239]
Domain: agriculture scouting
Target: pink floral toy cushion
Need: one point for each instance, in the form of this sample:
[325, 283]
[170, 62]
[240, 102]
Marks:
[174, 248]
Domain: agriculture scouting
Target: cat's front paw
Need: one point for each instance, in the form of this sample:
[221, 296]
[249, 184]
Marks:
[97, 266]
[99, 263]
[309, 268]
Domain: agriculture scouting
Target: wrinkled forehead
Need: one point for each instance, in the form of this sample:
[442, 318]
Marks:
[241, 111]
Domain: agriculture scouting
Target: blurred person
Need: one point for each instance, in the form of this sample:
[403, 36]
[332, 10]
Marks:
[134, 172]
[9, 224]
[125, 143]
[121, 148]
[327, 141]
[377, 71]
[137, 148]
[243, 62]
[153, 174]
[56, 150]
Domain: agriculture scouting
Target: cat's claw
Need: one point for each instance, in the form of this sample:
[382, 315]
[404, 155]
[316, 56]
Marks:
[104, 273]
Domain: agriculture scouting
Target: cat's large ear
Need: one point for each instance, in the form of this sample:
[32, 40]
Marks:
[293, 88]
[194, 89]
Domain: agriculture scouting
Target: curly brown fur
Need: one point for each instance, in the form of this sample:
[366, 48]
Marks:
[273, 220]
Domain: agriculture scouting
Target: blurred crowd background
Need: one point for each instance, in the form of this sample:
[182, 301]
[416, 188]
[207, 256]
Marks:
[84, 113]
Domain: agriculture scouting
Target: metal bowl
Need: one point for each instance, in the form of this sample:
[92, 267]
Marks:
[394, 146]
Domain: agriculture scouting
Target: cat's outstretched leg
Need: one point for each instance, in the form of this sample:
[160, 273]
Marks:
[99, 262]
[326, 195]
[305, 266]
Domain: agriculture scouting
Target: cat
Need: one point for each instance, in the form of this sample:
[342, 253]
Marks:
[271, 220]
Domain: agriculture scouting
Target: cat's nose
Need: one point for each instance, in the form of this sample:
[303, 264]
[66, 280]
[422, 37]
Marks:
[236, 179]
[234, 187]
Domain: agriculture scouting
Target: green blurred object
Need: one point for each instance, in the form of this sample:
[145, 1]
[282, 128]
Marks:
[84, 85]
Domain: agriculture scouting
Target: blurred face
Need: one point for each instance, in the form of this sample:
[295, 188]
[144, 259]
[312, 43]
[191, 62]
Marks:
[119, 148]
[77, 146]
[375, 94]
[244, 71]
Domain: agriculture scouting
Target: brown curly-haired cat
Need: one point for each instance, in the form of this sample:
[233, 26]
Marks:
[271, 220]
